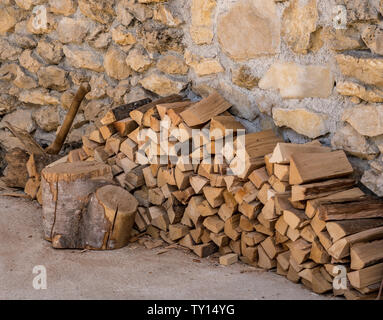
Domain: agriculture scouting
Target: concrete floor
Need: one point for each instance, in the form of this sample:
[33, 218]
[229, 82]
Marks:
[129, 273]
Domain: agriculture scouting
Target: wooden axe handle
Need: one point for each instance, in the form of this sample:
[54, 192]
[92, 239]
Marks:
[56, 146]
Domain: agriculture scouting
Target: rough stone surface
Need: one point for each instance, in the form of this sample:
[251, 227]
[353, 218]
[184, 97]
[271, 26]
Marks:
[122, 37]
[299, 22]
[363, 67]
[243, 77]
[71, 30]
[80, 58]
[203, 66]
[51, 52]
[172, 65]
[161, 85]
[373, 180]
[348, 139]
[47, 118]
[98, 86]
[201, 29]
[138, 60]
[298, 81]
[165, 16]
[304, 122]
[353, 89]
[373, 38]
[38, 96]
[29, 62]
[8, 51]
[53, 77]
[361, 10]
[343, 39]
[64, 7]
[99, 10]
[115, 64]
[366, 119]
[257, 34]
[7, 19]
[21, 119]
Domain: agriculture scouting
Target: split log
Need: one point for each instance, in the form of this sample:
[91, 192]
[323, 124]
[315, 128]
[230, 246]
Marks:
[366, 254]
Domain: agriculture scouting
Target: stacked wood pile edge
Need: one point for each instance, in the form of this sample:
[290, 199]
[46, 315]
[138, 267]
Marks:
[293, 208]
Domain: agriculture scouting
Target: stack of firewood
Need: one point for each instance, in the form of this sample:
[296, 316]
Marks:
[270, 204]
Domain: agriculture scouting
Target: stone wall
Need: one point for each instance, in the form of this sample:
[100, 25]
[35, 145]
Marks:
[309, 68]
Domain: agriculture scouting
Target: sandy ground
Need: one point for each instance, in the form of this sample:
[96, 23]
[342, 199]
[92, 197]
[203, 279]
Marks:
[133, 272]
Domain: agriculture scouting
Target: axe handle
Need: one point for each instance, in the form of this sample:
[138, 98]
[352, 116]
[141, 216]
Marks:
[56, 146]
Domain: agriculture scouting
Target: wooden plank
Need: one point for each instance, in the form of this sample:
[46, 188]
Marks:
[204, 110]
[320, 189]
[340, 229]
[310, 167]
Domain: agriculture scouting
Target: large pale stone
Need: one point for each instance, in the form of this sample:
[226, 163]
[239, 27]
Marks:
[201, 29]
[296, 81]
[42, 28]
[38, 96]
[51, 52]
[123, 14]
[67, 99]
[364, 67]
[348, 139]
[29, 62]
[203, 66]
[250, 29]
[99, 10]
[24, 81]
[138, 60]
[165, 16]
[303, 121]
[72, 30]
[117, 93]
[7, 20]
[298, 23]
[161, 85]
[141, 12]
[47, 118]
[95, 109]
[366, 119]
[82, 58]
[243, 77]
[64, 7]
[361, 10]
[373, 180]
[21, 119]
[122, 37]
[115, 65]
[8, 103]
[352, 89]
[53, 77]
[172, 65]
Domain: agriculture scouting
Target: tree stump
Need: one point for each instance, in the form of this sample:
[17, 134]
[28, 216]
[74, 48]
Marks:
[66, 191]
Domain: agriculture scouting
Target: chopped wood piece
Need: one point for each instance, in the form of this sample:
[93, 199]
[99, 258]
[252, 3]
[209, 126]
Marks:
[349, 210]
[159, 218]
[367, 276]
[182, 178]
[269, 165]
[214, 224]
[122, 112]
[300, 250]
[264, 261]
[259, 177]
[156, 196]
[129, 148]
[112, 144]
[96, 136]
[221, 126]
[281, 226]
[204, 110]
[318, 253]
[164, 109]
[192, 212]
[32, 187]
[246, 224]
[214, 196]
[197, 182]
[283, 151]
[228, 259]
[295, 218]
[205, 250]
[282, 172]
[351, 194]
[308, 233]
[187, 242]
[271, 248]
[177, 231]
[319, 283]
[320, 189]
[125, 126]
[366, 254]
[283, 259]
[340, 229]
[309, 167]
[220, 239]
[230, 227]
[206, 210]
